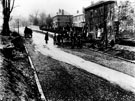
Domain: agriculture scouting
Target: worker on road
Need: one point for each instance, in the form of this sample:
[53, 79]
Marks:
[46, 38]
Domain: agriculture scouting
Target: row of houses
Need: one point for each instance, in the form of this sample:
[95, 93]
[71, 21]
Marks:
[63, 19]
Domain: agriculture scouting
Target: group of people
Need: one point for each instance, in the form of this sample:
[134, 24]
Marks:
[69, 34]
[72, 36]
[28, 34]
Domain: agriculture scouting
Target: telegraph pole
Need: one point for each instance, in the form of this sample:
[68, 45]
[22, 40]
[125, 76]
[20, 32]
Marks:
[18, 26]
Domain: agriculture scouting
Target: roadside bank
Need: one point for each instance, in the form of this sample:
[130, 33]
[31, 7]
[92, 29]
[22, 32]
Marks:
[17, 81]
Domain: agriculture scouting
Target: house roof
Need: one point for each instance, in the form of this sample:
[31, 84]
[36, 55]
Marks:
[79, 15]
[99, 4]
[62, 15]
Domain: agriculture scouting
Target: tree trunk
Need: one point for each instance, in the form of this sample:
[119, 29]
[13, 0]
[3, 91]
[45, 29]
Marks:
[6, 17]
[6, 30]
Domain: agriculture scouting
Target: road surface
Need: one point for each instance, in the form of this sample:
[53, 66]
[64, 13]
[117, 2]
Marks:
[125, 81]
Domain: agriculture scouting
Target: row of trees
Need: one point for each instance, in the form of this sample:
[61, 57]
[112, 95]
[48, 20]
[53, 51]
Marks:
[35, 18]
[40, 19]
[126, 15]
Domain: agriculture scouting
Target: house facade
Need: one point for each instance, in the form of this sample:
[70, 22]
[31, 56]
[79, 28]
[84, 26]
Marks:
[79, 20]
[62, 19]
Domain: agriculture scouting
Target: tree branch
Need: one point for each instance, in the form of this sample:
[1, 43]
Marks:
[12, 6]
[3, 3]
[9, 4]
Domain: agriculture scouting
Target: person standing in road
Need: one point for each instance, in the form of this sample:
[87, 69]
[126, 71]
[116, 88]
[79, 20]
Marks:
[46, 38]
[54, 38]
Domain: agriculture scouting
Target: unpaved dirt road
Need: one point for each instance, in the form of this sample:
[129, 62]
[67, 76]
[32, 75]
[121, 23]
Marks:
[64, 76]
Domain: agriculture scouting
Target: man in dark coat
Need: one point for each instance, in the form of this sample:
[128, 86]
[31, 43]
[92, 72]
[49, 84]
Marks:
[46, 38]
[54, 38]
[27, 32]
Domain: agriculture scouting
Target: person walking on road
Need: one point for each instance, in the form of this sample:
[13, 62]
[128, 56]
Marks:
[46, 38]
[54, 39]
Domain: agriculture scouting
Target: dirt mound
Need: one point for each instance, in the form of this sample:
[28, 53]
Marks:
[130, 55]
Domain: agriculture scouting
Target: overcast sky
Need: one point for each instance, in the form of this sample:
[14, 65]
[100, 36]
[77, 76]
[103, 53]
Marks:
[25, 7]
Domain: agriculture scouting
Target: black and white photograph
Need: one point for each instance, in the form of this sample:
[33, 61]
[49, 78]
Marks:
[67, 50]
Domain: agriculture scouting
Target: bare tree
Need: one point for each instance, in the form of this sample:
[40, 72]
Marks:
[8, 6]
[21, 22]
[33, 18]
[49, 21]
[126, 13]
[42, 18]
[24, 22]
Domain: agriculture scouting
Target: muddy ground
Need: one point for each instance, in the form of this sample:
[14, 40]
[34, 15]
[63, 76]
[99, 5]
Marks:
[63, 82]
[105, 60]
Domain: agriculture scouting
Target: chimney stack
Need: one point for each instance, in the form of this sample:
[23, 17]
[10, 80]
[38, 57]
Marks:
[62, 11]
